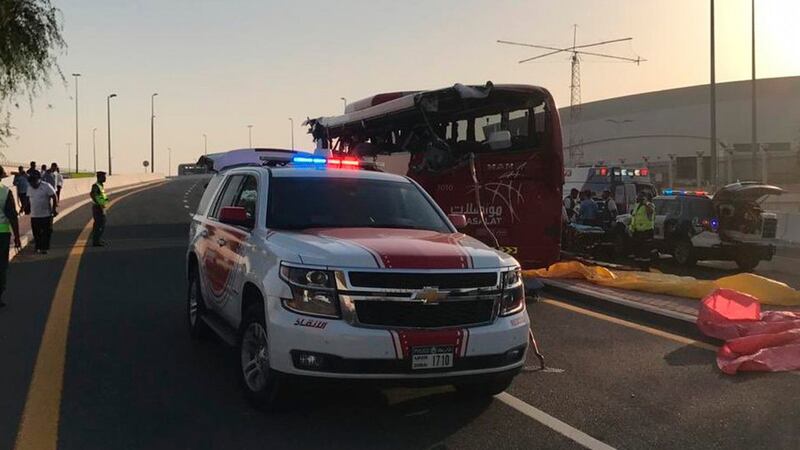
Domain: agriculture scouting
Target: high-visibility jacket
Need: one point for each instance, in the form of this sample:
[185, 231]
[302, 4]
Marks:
[642, 220]
[100, 199]
[5, 225]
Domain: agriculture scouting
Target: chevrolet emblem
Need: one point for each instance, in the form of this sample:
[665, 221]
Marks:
[429, 295]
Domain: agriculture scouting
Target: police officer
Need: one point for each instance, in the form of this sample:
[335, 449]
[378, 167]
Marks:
[8, 224]
[641, 227]
[99, 205]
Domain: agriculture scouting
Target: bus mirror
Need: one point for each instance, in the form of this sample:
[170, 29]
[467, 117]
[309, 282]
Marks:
[499, 140]
[458, 220]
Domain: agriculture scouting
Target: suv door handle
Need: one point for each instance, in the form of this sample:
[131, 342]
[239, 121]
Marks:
[221, 242]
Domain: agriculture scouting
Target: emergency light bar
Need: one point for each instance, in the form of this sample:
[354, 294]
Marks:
[685, 193]
[604, 171]
[320, 162]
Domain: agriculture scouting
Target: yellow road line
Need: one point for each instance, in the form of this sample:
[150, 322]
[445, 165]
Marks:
[38, 428]
[632, 325]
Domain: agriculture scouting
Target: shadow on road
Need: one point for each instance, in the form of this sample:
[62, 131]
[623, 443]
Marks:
[691, 356]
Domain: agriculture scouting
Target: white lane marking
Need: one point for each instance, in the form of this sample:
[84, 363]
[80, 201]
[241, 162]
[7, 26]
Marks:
[551, 422]
[186, 206]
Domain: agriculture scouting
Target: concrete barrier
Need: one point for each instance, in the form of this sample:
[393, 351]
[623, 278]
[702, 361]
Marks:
[76, 187]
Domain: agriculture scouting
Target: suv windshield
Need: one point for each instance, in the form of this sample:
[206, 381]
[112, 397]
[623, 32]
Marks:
[299, 203]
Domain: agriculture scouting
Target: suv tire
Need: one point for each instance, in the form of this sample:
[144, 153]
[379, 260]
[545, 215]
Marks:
[485, 388]
[684, 253]
[747, 262]
[196, 308]
[261, 385]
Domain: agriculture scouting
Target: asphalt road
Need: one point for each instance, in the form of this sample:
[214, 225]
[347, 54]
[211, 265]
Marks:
[133, 378]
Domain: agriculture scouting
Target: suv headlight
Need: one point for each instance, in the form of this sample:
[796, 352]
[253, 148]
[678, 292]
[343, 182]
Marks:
[313, 291]
[513, 300]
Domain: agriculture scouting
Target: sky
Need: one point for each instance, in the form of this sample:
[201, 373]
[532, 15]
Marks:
[219, 66]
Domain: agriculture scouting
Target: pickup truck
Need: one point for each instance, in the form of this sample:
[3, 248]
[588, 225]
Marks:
[325, 267]
[729, 226]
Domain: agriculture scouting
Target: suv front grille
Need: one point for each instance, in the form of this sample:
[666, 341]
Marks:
[770, 228]
[419, 315]
[394, 280]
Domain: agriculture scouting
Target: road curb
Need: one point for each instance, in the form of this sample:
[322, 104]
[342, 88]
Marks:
[684, 323]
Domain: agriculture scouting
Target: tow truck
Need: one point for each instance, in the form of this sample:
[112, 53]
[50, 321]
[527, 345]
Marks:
[320, 266]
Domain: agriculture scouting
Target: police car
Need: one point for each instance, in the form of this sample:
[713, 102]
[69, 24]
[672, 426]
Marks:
[729, 226]
[321, 266]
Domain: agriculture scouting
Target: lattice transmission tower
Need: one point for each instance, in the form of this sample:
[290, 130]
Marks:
[575, 153]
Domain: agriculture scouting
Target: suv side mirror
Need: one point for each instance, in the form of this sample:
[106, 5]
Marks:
[458, 220]
[234, 215]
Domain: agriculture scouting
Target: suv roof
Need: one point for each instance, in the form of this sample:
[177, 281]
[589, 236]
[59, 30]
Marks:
[311, 172]
[327, 172]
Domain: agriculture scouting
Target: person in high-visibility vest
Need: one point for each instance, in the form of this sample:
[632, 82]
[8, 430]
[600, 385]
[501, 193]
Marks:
[8, 225]
[99, 205]
[642, 227]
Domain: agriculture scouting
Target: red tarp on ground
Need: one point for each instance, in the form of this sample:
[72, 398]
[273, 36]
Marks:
[755, 341]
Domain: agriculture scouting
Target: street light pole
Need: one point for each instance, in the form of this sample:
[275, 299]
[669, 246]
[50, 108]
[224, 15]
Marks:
[169, 161]
[205, 144]
[250, 136]
[94, 149]
[69, 154]
[291, 121]
[152, 132]
[754, 124]
[108, 109]
[713, 101]
[344, 100]
[76, 75]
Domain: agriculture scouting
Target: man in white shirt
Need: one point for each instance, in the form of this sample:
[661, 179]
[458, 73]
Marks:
[43, 208]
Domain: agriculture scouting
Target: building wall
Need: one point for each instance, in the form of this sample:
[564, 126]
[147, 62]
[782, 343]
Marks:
[628, 130]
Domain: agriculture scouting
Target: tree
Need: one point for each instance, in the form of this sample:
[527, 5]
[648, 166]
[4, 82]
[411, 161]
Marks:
[30, 40]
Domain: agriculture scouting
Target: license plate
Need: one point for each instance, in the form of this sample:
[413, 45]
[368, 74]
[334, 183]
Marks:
[433, 357]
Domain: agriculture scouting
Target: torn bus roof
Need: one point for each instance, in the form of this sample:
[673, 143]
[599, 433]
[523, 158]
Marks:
[396, 106]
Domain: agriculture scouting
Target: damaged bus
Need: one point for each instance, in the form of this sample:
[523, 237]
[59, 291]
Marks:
[493, 153]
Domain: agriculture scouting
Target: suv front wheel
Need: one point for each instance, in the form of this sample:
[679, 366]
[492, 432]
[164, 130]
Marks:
[260, 383]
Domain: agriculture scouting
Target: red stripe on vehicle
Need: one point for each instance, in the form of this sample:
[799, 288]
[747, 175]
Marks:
[466, 342]
[406, 249]
[423, 338]
[393, 335]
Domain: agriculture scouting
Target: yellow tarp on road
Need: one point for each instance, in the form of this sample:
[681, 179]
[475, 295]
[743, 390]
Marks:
[769, 292]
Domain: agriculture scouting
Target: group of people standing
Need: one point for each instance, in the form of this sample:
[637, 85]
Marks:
[582, 208]
[38, 193]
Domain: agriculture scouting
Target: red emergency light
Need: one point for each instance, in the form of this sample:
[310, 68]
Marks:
[345, 162]
[603, 171]
[329, 162]
[645, 172]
